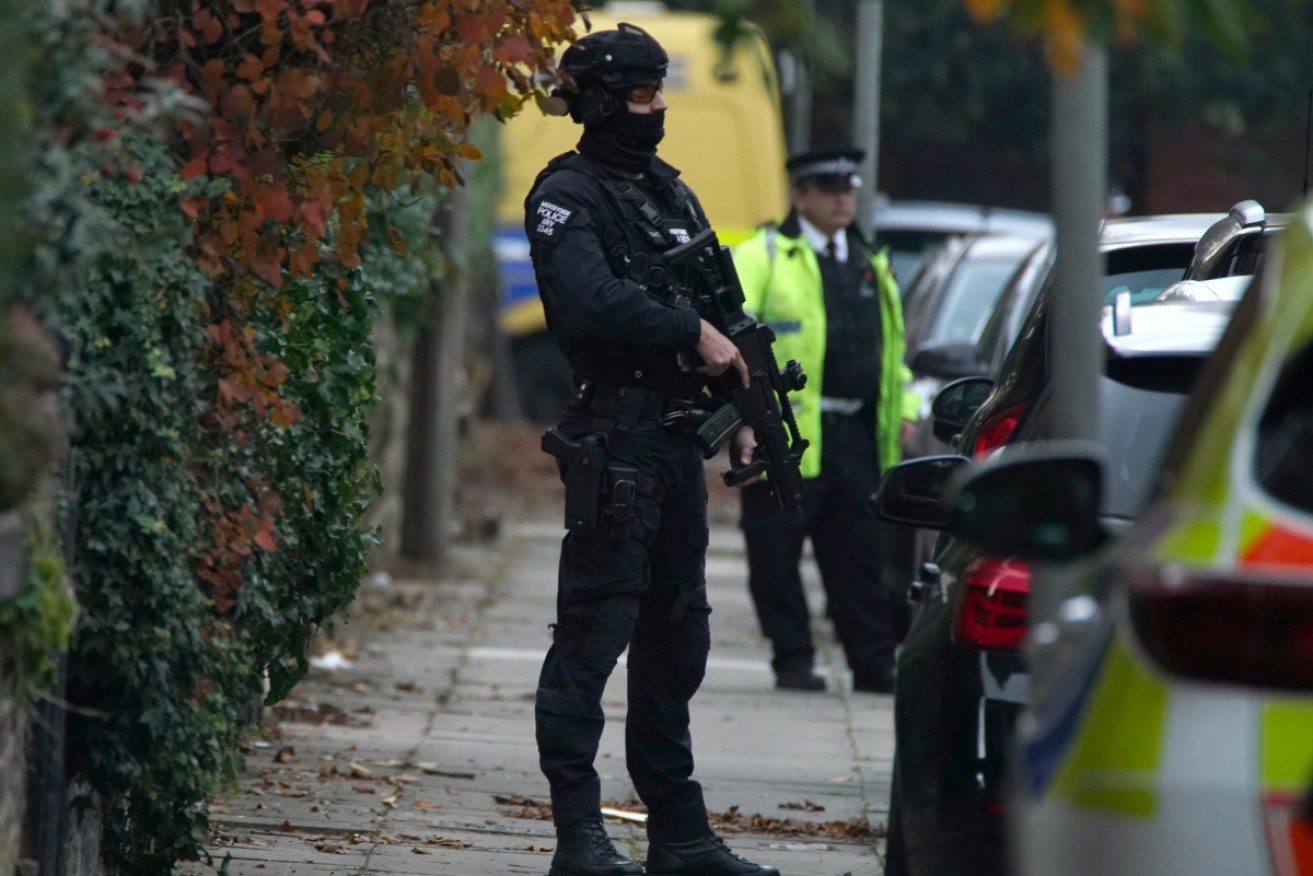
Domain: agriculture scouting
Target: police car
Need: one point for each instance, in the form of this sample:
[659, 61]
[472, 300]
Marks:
[1170, 724]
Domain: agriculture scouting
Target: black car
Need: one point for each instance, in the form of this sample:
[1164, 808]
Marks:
[961, 677]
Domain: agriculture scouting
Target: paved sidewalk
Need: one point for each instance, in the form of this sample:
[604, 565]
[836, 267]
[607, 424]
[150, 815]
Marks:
[426, 763]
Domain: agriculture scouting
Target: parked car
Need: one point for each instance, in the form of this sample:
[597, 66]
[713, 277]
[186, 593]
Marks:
[962, 679]
[912, 229]
[1170, 727]
[1142, 256]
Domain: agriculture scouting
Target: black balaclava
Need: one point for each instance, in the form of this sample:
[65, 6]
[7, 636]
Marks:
[624, 140]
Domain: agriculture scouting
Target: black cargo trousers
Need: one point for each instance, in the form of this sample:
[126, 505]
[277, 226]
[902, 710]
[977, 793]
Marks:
[646, 591]
[847, 545]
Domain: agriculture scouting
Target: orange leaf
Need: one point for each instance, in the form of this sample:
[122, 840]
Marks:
[1065, 30]
[250, 68]
[985, 10]
[275, 203]
[470, 151]
[265, 537]
[192, 206]
[270, 9]
[192, 168]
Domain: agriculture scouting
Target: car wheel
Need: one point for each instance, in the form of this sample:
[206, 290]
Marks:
[895, 854]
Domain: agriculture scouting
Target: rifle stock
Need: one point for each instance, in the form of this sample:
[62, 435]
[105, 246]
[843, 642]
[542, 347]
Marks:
[706, 269]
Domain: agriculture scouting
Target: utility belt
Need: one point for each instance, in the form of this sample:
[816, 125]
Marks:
[844, 407]
[601, 494]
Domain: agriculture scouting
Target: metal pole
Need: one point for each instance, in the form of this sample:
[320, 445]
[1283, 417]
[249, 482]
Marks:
[866, 104]
[1079, 138]
[800, 102]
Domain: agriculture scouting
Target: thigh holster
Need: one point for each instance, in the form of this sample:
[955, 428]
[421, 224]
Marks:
[601, 496]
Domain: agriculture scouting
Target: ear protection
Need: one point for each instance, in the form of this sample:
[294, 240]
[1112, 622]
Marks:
[592, 104]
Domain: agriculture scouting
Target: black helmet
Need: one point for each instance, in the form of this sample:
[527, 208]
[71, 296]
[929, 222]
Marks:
[607, 61]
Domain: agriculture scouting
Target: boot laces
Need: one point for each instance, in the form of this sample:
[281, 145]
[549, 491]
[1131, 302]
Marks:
[598, 841]
[724, 846]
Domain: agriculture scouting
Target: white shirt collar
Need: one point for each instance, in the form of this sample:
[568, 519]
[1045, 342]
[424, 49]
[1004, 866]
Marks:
[818, 240]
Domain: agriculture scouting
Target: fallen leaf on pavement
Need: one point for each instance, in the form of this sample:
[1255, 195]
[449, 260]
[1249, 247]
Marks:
[805, 806]
[286, 754]
[527, 807]
[358, 770]
[449, 842]
[735, 821]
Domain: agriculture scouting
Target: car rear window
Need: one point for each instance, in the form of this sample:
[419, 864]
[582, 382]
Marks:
[1135, 421]
[971, 292]
[1144, 271]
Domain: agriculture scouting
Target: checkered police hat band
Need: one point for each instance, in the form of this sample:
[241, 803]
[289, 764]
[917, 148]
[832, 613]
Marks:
[828, 167]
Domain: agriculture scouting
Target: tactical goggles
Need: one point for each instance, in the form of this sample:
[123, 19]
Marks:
[643, 93]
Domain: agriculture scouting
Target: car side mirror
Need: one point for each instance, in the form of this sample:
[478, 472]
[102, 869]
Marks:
[956, 403]
[1039, 503]
[947, 361]
[914, 493]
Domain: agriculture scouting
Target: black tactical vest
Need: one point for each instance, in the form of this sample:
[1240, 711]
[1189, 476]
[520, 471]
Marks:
[639, 225]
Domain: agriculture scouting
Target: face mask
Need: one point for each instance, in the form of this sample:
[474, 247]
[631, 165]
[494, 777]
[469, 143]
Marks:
[644, 131]
[624, 140]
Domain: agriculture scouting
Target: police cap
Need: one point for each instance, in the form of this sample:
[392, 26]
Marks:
[831, 167]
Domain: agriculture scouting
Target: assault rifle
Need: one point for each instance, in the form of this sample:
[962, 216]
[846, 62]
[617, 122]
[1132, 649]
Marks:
[704, 269]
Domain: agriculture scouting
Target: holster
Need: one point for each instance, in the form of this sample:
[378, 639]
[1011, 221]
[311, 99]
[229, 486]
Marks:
[599, 498]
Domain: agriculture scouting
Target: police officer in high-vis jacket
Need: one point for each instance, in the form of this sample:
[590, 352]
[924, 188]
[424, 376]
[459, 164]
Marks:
[833, 305]
[632, 568]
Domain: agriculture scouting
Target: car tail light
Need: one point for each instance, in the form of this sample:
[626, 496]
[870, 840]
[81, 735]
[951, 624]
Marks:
[997, 430]
[991, 611]
[1289, 835]
[1237, 628]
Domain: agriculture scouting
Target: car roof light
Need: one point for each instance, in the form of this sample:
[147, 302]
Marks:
[1236, 628]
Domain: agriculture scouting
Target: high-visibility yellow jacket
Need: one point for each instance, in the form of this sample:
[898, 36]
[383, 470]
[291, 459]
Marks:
[782, 287]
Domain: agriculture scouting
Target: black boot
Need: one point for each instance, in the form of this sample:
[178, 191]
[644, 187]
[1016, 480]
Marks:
[584, 849]
[708, 856]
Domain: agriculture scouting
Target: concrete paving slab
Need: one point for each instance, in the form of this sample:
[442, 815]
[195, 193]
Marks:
[429, 766]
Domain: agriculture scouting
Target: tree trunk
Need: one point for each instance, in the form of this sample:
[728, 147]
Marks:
[436, 402]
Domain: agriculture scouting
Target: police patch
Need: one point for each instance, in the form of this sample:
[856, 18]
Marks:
[680, 235]
[551, 217]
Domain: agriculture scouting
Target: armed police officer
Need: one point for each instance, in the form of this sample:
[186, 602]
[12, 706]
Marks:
[632, 567]
[834, 306]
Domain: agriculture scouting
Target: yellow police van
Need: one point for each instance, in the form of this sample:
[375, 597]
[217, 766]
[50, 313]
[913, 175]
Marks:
[724, 132]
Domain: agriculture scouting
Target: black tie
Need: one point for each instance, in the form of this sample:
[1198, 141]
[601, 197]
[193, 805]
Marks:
[830, 251]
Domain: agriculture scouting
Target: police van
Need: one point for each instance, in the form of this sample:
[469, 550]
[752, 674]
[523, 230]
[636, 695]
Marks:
[724, 132]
